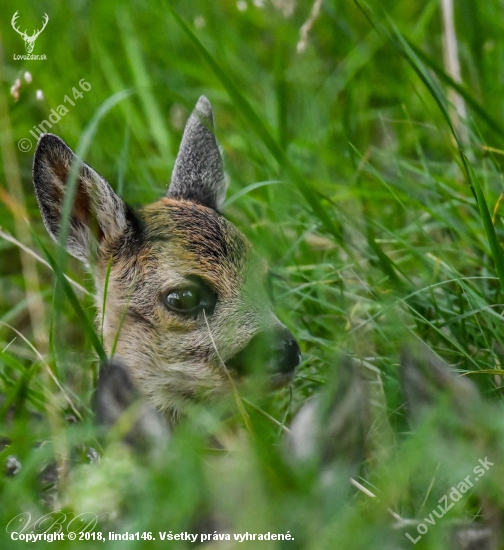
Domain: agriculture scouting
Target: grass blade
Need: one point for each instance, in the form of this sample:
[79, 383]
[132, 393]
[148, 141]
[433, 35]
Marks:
[87, 325]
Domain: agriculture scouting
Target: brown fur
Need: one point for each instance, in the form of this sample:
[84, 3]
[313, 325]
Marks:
[177, 359]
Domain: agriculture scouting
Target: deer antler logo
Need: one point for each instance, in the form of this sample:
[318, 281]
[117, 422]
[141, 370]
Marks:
[29, 40]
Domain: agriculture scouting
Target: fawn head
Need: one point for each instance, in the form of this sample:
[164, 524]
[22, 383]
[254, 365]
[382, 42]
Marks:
[186, 302]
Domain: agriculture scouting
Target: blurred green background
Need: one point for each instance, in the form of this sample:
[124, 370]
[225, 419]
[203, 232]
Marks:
[346, 177]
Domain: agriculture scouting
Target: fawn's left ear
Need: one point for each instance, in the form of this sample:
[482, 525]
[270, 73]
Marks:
[97, 213]
[199, 175]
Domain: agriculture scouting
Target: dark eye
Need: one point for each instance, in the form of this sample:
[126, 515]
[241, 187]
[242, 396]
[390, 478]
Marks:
[196, 296]
[185, 299]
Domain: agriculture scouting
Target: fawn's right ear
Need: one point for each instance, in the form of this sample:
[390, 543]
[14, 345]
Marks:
[97, 213]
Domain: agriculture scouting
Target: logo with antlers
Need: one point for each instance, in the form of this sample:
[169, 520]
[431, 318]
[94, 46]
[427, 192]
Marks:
[29, 40]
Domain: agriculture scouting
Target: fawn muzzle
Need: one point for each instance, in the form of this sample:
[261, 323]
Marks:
[275, 352]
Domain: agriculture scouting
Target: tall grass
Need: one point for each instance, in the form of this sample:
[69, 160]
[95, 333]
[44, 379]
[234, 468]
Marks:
[348, 175]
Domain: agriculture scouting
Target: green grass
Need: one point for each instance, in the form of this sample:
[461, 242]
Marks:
[349, 176]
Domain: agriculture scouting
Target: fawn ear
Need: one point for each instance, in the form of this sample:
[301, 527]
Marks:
[97, 213]
[199, 171]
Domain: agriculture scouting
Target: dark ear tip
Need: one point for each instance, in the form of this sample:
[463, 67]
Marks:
[48, 138]
[204, 107]
[48, 142]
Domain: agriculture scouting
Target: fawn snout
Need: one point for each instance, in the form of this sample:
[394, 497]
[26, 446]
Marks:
[274, 351]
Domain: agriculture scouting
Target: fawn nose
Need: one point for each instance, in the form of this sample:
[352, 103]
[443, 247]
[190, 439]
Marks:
[275, 351]
[285, 351]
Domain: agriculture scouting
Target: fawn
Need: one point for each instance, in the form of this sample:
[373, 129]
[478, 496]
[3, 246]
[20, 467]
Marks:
[186, 292]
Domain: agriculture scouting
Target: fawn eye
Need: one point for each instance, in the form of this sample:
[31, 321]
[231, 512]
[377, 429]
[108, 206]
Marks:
[183, 300]
[196, 296]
